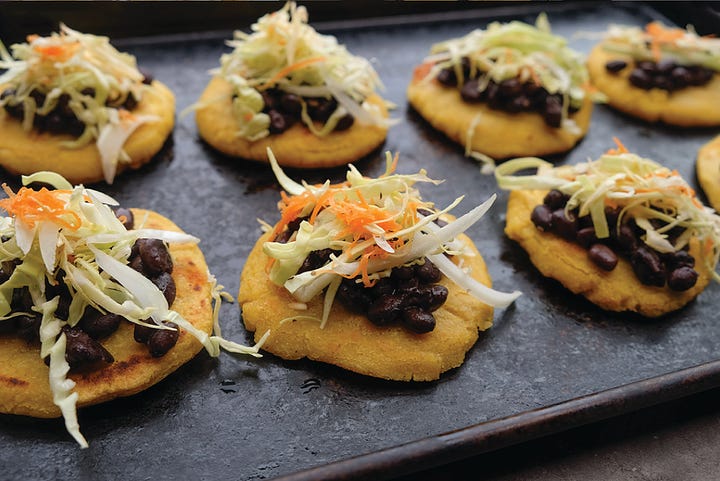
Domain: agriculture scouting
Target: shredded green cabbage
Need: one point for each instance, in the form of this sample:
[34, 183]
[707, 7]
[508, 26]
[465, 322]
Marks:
[374, 224]
[641, 188]
[685, 47]
[284, 52]
[68, 63]
[84, 239]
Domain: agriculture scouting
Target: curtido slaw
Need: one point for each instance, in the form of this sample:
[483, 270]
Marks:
[657, 41]
[284, 52]
[74, 231]
[643, 190]
[376, 224]
[516, 50]
[92, 73]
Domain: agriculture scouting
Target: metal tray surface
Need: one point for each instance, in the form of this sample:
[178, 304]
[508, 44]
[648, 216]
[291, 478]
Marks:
[551, 361]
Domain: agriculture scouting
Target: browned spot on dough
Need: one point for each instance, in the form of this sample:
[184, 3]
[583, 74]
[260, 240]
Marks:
[196, 287]
[12, 381]
[115, 370]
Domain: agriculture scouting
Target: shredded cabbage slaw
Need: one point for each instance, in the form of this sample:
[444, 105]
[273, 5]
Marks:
[641, 188]
[657, 41]
[69, 62]
[285, 53]
[74, 230]
[375, 224]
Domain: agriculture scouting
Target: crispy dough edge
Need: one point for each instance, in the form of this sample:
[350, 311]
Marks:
[567, 262]
[689, 107]
[351, 341]
[27, 152]
[24, 387]
[707, 168]
[498, 134]
[296, 147]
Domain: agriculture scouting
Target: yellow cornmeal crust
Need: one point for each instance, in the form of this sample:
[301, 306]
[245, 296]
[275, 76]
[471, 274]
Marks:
[498, 134]
[688, 107]
[296, 147]
[24, 386]
[24, 152]
[707, 168]
[567, 262]
[350, 340]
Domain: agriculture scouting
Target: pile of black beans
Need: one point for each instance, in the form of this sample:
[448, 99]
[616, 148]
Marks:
[284, 110]
[408, 296]
[61, 119]
[509, 95]
[83, 349]
[665, 74]
[651, 267]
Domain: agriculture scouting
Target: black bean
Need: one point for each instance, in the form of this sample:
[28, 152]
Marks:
[470, 92]
[553, 111]
[603, 256]
[54, 122]
[682, 278]
[447, 77]
[681, 77]
[381, 288]
[345, 122]
[647, 267]
[518, 104]
[402, 272]
[665, 66]
[678, 259]
[270, 100]
[320, 108]
[418, 320]
[555, 199]
[88, 91]
[385, 309]
[147, 76]
[142, 334]
[615, 66]
[7, 326]
[627, 239]
[28, 327]
[166, 284]
[406, 284]
[82, 349]
[541, 216]
[278, 122]
[291, 104]
[21, 299]
[586, 237]
[433, 296]
[510, 87]
[162, 340]
[98, 325]
[155, 256]
[428, 272]
[355, 298]
[564, 224]
[126, 217]
[647, 66]
[137, 264]
[315, 260]
[662, 82]
[491, 92]
[640, 79]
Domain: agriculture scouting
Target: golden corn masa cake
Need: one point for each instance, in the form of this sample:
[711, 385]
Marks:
[350, 340]
[24, 387]
[26, 152]
[496, 133]
[296, 147]
[708, 171]
[694, 106]
[568, 263]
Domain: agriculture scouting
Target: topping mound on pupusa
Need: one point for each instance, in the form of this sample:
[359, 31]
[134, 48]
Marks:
[659, 74]
[623, 231]
[73, 104]
[368, 276]
[287, 87]
[511, 89]
[95, 304]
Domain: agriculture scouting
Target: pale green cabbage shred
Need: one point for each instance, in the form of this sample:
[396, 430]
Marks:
[392, 193]
[512, 50]
[90, 62]
[690, 49]
[643, 189]
[94, 259]
[284, 38]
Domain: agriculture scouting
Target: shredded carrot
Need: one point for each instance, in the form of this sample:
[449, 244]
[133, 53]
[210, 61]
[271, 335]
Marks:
[660, 35]
[59, 52]
[393, 165]
[621, 149]
[33, 206]
[422, 71]
[283, 72]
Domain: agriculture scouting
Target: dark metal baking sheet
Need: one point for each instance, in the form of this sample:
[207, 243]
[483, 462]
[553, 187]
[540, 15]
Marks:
[552, 361]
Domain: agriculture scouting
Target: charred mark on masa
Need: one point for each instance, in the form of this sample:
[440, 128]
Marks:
[13, 381]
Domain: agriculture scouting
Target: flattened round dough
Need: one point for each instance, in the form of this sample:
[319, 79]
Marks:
[350, 340]
[296, 147]
[24, 387]
[27, 152]
[568, 262]
[688, 107]
[498, 134]
[708, 171]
